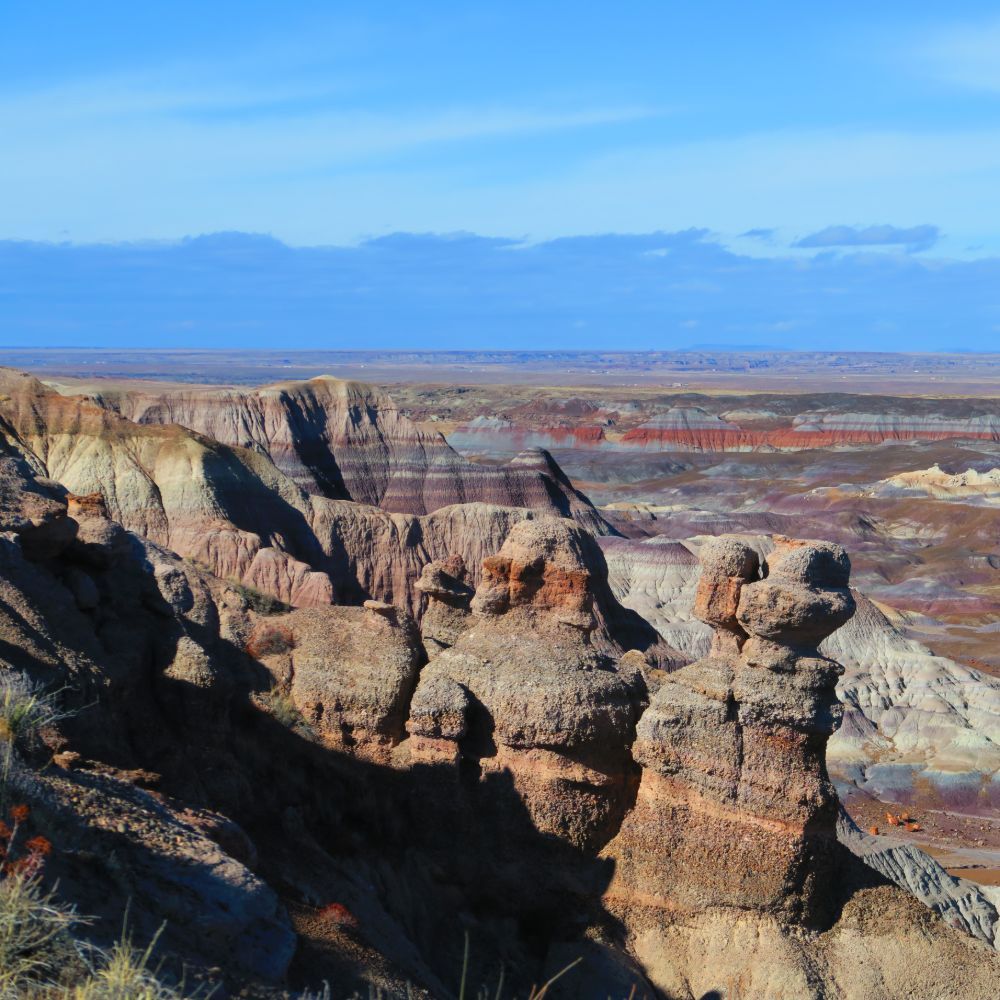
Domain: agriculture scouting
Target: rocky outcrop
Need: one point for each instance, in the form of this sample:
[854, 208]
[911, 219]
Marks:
[962, 904]
[734, 792]
[539, 775]
[448, 597]
[350, 672]
[733, 834]
[141, 649]
[229, 509]
[375, 554]
[538, 686]
[971, 486]
[915, 726]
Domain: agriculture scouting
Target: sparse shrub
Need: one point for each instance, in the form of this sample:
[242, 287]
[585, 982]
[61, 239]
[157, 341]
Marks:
[25, 710]
[34, 934]
[125, 973]
[339, 915]
[270, 641]
[283, 709]
[257, 600]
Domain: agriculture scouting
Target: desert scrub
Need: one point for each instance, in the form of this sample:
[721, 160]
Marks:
[270, 640]
[25, 710]
[257, 600]
[284, 710]
[126, 973]
[35, 943]
[280, 706]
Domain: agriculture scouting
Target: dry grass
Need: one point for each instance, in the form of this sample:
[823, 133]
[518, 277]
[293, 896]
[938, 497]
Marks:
[34, 935]
[126, 973]
[25, 710]
[270, 640]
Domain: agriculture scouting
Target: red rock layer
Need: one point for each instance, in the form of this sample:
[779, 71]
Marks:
[783, 438]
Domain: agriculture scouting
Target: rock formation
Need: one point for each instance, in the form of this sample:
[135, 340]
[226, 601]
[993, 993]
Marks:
[538, 684]
[968, 486]
[448, 596]
[346, 440]
[972, 908]
[734, 789]
[521, 755]
[131, 637]
[231, 509]
[912, 720]
[733, 834]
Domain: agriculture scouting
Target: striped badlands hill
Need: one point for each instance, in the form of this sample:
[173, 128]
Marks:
[496, 436]
[685, 428]
[233, 510]
[694, 429]
[347, 440]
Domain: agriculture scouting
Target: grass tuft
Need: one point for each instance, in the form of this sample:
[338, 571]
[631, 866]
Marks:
[125, 973]
[257, 600]
[34, 935]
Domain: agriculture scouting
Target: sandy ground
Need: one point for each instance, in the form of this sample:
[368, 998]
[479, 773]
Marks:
[715, 371]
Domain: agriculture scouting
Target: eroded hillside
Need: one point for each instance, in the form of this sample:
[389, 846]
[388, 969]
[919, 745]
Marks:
[466, 722]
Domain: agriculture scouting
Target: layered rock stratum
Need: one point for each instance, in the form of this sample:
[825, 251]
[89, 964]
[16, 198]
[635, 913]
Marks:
[347, 440]
[239, 505]
[483, 736]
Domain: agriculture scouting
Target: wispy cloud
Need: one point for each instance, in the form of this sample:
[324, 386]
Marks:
[913, 238]
[966, 55]
[166, 133]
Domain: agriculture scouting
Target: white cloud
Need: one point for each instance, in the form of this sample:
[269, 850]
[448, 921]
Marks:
[966, 55]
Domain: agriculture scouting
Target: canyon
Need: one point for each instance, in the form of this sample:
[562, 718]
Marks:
[351, 674]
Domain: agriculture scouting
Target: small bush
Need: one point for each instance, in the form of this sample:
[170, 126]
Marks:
[34, 934]
[25, 710]
[269, 641]
[257, 600]
[124, 973]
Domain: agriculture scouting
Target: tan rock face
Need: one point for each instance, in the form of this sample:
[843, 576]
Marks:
[447, 597]
[734, 791]
[728, 566]
[534, 686]
[352, 674]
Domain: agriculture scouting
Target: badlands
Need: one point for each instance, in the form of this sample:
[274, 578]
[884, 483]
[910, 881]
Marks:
[679, 692]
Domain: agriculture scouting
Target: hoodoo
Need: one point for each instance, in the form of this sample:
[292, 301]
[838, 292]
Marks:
[733, 833]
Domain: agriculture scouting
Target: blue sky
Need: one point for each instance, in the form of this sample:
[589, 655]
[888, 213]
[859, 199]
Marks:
[786, 133]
